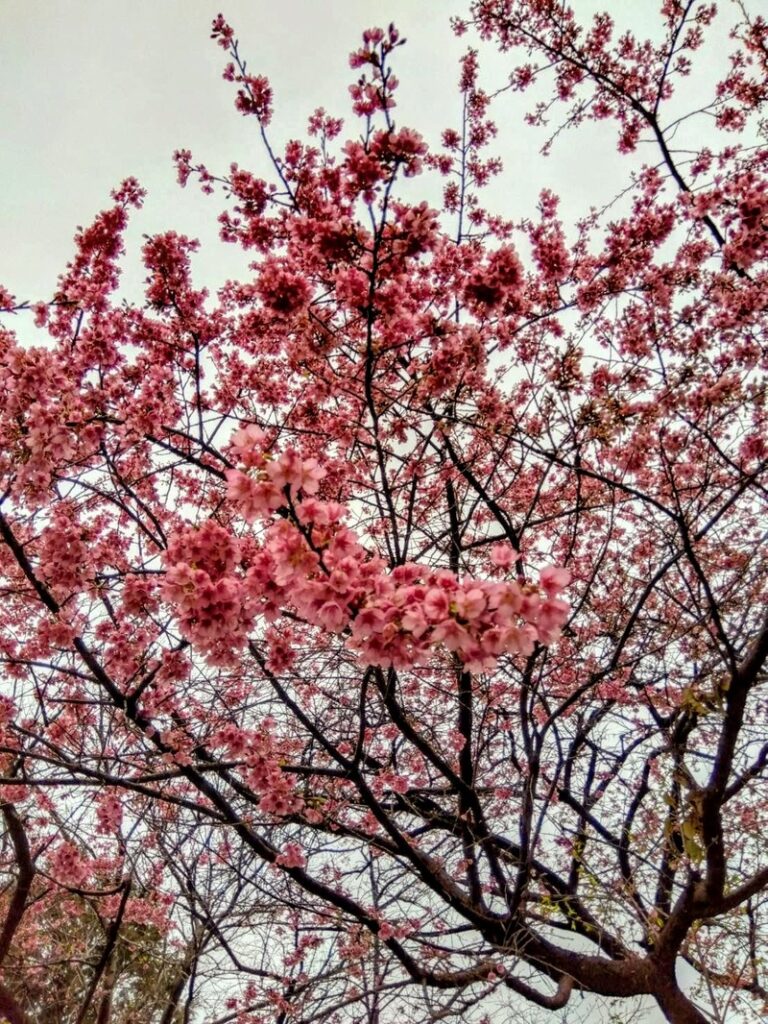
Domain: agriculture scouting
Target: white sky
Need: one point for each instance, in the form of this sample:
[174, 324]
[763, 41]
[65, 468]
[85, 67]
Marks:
[92, 91]
[96, 90]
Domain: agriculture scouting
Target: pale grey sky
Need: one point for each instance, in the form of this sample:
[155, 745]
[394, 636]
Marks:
[95, 90]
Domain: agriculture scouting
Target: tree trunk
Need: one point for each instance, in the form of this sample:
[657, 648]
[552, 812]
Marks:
[10, 1009]
[676, 1007]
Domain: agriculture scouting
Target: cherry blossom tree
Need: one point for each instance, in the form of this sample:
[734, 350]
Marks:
[384, 637]
[78, 947]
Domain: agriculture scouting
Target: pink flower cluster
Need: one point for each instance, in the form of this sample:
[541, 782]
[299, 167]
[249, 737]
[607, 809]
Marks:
[68, 866]
[748, 241]
[260, 767]
[255, 97]
[291, 856]
[265, 490]
[63, 552]
[315, 566]
[167, 257]
[281, 289]
[416, 609]
[199, 582]
[498, 285]
[109, 813]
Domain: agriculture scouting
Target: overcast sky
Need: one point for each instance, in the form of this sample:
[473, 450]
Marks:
[96, 90]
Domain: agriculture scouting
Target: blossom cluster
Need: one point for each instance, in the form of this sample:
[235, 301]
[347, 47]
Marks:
[313, 565]
[67, 864]
[265, 491]
[200, 584]
[260, 766]
[497, 284]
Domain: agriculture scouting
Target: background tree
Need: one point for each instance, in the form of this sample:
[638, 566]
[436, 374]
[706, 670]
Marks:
[405, 593]
[76, 948]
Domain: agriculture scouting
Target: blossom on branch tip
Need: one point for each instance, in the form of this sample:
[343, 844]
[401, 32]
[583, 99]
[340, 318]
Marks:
[291, 856]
